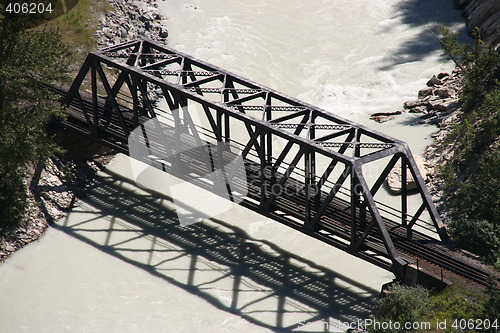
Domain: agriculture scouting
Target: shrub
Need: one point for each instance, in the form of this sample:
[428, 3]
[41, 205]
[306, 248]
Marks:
[471, 177]
[476, 197]
[457, 51]
[402, 304]
[480, 77]
[28, 59]
[478, 236]
[491, 307]
[454, 303]
[12, 200]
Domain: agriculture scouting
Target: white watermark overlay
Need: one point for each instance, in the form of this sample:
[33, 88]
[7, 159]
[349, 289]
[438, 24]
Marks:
[203, 179]
[372, 324]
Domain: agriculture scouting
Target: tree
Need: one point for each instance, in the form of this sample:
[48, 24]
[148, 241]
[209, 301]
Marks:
[471, 177]
[29, 58]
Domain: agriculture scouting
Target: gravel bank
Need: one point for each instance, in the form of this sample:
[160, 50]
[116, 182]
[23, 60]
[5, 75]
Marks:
[54, 188]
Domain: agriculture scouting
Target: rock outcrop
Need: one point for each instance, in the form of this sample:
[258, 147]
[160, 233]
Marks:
[484, 14]
[382, 117]
[434, 102]
[394, 179]
[131, 19]
[438, 99]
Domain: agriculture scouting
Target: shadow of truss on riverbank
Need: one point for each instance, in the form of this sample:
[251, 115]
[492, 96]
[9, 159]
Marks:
[254, 279]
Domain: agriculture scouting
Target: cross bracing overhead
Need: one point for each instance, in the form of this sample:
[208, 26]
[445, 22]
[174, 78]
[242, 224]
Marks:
[284, 142]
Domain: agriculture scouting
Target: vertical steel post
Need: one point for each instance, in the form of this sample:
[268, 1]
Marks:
[135, 101]
[225, 100]
[404, 191]
[404, 195]
[93, 78]
[362, 214]
[354, 205]
[262, 155]
[218, 134]
[357, 141]
[268, 117]
[312, 136]
[227, 128]
[307, 188]
[354, 191]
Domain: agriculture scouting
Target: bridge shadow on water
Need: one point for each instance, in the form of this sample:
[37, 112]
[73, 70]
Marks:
[218, 262]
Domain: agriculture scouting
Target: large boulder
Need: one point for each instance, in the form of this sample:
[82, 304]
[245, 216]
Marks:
[415, 103]
[394, 178]
[434, 81]
[448, 105]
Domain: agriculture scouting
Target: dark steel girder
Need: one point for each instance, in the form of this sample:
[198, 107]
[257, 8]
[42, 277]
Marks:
[143, 64]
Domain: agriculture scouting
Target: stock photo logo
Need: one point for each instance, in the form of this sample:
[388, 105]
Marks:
[24, 15]
[204, 179]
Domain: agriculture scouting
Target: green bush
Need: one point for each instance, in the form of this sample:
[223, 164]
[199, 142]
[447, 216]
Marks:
[28, 59]
[12, 200]
[458, 52]
[474, 204]
[480, 77]
[418, 305]
[471, 178]
[479, 63]
[402, 304]
[491, 307]
[478, 197]
[478, 130]
[454, 303]
[478, 236]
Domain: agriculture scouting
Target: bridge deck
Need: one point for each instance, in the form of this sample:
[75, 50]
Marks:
[335, 225]
[319, 155]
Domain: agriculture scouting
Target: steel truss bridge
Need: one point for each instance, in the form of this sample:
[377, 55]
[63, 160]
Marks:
[285, 143]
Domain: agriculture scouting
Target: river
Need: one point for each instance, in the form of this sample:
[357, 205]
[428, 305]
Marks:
[120, 262]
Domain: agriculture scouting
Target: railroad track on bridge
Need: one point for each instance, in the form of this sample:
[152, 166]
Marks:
[335, 226]
[332, 198]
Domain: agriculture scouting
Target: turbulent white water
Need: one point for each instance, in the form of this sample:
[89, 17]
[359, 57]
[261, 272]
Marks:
[350, 57]
[120, 263]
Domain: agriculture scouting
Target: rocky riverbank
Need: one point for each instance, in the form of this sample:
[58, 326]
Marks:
[131, 19]
[54, 188]
[444, 112]
[436, 104]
